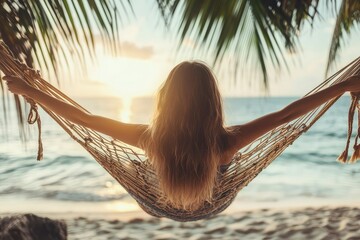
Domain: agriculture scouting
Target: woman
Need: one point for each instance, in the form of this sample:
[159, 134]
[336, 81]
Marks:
[187, 141]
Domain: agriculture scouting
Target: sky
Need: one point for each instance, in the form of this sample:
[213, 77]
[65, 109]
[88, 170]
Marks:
[148, 53]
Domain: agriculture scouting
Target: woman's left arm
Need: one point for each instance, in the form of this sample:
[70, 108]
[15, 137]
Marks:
[248, 132]
[128, 133]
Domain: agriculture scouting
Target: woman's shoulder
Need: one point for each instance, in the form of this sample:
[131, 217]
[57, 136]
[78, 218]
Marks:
[229, 143]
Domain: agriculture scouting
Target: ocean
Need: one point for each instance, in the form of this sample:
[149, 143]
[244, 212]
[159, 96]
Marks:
[69, 179]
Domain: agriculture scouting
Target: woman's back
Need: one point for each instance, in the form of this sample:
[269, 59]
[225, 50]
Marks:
[186, 140]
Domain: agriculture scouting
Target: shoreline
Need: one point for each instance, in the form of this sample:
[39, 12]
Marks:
[129, 215]
[9, 205]
[325, 222]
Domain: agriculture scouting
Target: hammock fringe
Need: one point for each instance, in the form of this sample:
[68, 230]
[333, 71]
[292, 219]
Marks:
[343, 158]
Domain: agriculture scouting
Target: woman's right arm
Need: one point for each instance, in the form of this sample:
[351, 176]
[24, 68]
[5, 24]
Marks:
[125, 132]
[246, 133]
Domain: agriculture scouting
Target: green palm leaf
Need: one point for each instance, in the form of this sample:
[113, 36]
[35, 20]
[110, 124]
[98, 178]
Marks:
[252, 31]
[255, 33]
[347, 18]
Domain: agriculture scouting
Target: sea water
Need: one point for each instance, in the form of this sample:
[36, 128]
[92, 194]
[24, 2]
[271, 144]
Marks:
[69, 179]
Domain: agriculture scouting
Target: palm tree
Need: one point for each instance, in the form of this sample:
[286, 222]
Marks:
[254, 32]
[47, 32]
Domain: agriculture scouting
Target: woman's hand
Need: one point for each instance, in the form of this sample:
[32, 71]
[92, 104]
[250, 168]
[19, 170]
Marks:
[17, 85]
[254, 129]
[352, 84]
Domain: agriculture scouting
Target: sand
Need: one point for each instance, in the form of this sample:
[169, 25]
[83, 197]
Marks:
[301, 223]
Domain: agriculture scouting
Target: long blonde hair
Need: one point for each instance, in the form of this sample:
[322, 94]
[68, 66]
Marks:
[185, 140]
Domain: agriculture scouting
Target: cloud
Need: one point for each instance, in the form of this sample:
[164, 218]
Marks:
[127, 48]
[131, 50]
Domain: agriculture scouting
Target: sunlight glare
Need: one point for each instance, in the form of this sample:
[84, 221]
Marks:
[129, 77]
[125, 113]
[122, 206]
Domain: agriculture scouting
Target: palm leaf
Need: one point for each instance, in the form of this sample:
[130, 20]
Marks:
[45, 33]
[255, 29]
[346, 19]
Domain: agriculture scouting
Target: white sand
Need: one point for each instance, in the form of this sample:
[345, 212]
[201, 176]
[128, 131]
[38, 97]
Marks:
[297, 223]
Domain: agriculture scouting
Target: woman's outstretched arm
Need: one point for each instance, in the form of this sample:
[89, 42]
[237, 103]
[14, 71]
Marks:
[246, 133]
[128, 133]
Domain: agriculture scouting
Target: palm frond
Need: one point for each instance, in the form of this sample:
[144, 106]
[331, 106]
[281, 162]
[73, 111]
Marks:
[45, 33]
[262, 30]
[347, 18]
[58, 28]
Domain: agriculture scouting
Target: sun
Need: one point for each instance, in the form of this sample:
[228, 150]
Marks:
[128, 77]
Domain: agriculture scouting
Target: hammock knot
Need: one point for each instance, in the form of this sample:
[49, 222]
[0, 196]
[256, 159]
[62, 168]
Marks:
[23, 67]
[34, 74]
[303, 127]
[237, 155]
[87, 140]
[286, 128]
[276, 148]
[33, 113]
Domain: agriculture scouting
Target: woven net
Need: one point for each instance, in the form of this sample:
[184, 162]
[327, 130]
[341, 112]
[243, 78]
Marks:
[130, 167]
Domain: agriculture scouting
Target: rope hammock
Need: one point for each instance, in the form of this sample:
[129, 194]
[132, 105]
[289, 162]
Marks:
[129, 165]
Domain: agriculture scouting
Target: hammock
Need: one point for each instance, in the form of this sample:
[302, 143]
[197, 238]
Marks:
[129, 165]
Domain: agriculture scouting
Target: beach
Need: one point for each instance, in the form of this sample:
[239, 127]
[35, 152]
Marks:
[304, 194]
[292, 223]
[151, 98]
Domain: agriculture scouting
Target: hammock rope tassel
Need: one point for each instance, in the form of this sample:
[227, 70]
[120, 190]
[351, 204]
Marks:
[356, 154]
[343, 158]
[34, 114]
[32, 118]
[27, 74]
